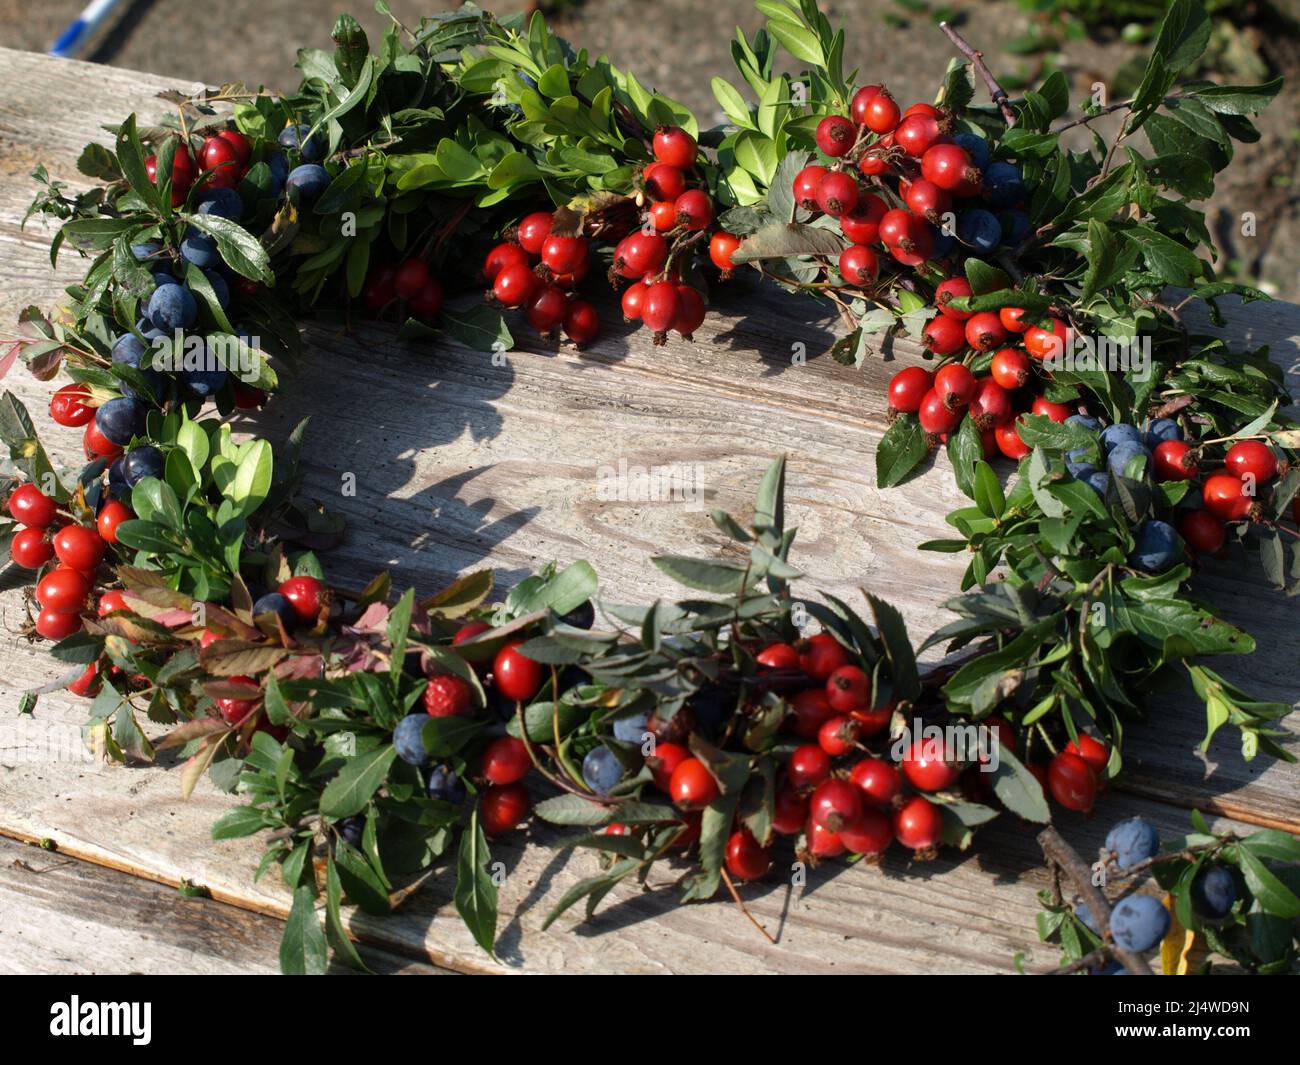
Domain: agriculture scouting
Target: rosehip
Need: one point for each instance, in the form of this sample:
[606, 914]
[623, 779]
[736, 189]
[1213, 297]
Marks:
[943, 335]
[848, 688]
[935, 417]
[926, 770]
[503, 807]
[835, 135]
[789, 812]
[722, 246]
[858, 266]
[918, 824]
[746, 860]
[516, 676]
[949, 167]
[1057, 412]
[62, 590]
[881, 114]
[1010, 443]
[692, 786]
[694, 209]
[506, 760]
[1095, 753]
[56, 624]
[984, 331]
[1013, 319]
[514, 285]
[821, 655]
[947, 291]
[861, 98]
[837, 193]
[1010, 368]
[822, 842]
[546, 309]
[878, 780]
[567, 255]
[690, 311]
[1203, 532]
[533, 231]
[1071, 782]
[663, 182]
[304, 595]
[1174, 460]
[68, 407]
[660, 307]
[32, 507]
[809, 765]
[991, 404]
[1224, 497]
[664, 762]
[778, 656]
[907, 389]
[838, 735]
[834, 804]
[1046, 343]
[1251, 458]
[917, 133]
[674, 146]
[870, 834]
[955, 385]
[862, 224]
[413, 273]
[581, 322]
[809, 710]
[79, 547]
[30, 549]
[806, 183]
[634, 300]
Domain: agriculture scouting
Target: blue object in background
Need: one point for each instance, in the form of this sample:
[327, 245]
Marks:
[82, 28]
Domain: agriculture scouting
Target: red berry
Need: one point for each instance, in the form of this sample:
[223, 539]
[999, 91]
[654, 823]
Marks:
[516, 676]
[848, 688]
[232, 710]
[1095, 753]
[943, 335]
[1251, 458]
[881, 113]
[447, 695]
[1057, 412]
[514, 285]
[660, 307]
[949, 167]
[546, 309]
[469, 630]
[918, 824]
[917, 133]
[876, 161]
[690, 313]
[533, 231]
[1013, 319]
[778, 656]
[746, 860]
[878, 780]
[62, 590]
[1010, 368]
[57, 624]
[501, 257]
[694, 209]
[674, 146]
[955, 385]
[1203, 532]
[916, 249]
[30, 549]
[220, 156]
[872, 721]
[1009, 442]
[861, 98]
[79, 547]
[821, 655]
[113, 600]
[858, 266]
[380, 288]
[581, 322]
[834, 804]
[926, 769]
[984, 331]
[112, 515]
[692, 786]
[634, 300]
[822, 842]
[567, 255]
[68, 407]
[1044, 343]
[87, 685]
[897, 227]
[663, 182]
[809, 765]
[837, 193]
[663, 215]
[947, 291]
[183, 174]
[789, 812]
[1071, 782]
[1223, 497]
[722, 246]
[862, 224]
[991, 404]
[923, 109]
[871, 833]
[664, 762]
[426, 304]
[907, 388]
[806, 183]
[505, 760]
[304, 595]
[242, 145]
[935, 417]
[809, 710]
[32, 507]
[1174, 460]
[96, 445]
[502, 807]
[835, 135]
[411, 277]
[838, 735]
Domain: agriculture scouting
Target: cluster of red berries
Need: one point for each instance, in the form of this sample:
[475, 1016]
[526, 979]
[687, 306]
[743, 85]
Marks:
[1234, 493]
[411, 281]
[222, 163]
[63, 591]
[942, 398]
[537, 273]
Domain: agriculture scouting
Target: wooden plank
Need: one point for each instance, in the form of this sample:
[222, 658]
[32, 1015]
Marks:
[65, 916]
[461, 463]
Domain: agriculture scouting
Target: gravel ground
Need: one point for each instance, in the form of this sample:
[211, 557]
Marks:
[256, 41]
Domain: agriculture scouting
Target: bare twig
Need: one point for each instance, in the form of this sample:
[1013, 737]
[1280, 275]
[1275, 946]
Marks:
[996, 91]
[744, 909]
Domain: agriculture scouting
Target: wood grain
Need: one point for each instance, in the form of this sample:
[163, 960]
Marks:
[460, 463]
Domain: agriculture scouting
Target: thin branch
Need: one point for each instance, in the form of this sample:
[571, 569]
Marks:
[744, 909]
[996, 91]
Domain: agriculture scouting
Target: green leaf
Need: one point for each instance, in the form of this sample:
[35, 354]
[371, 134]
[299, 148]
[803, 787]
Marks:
[900, 451]
[356, 782]
[482, 328]
[476, 891]
[252, 480]
[303, 951]
[788, 240]
[240, 250]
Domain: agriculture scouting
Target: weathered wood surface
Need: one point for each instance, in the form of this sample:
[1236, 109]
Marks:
[461, 463]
